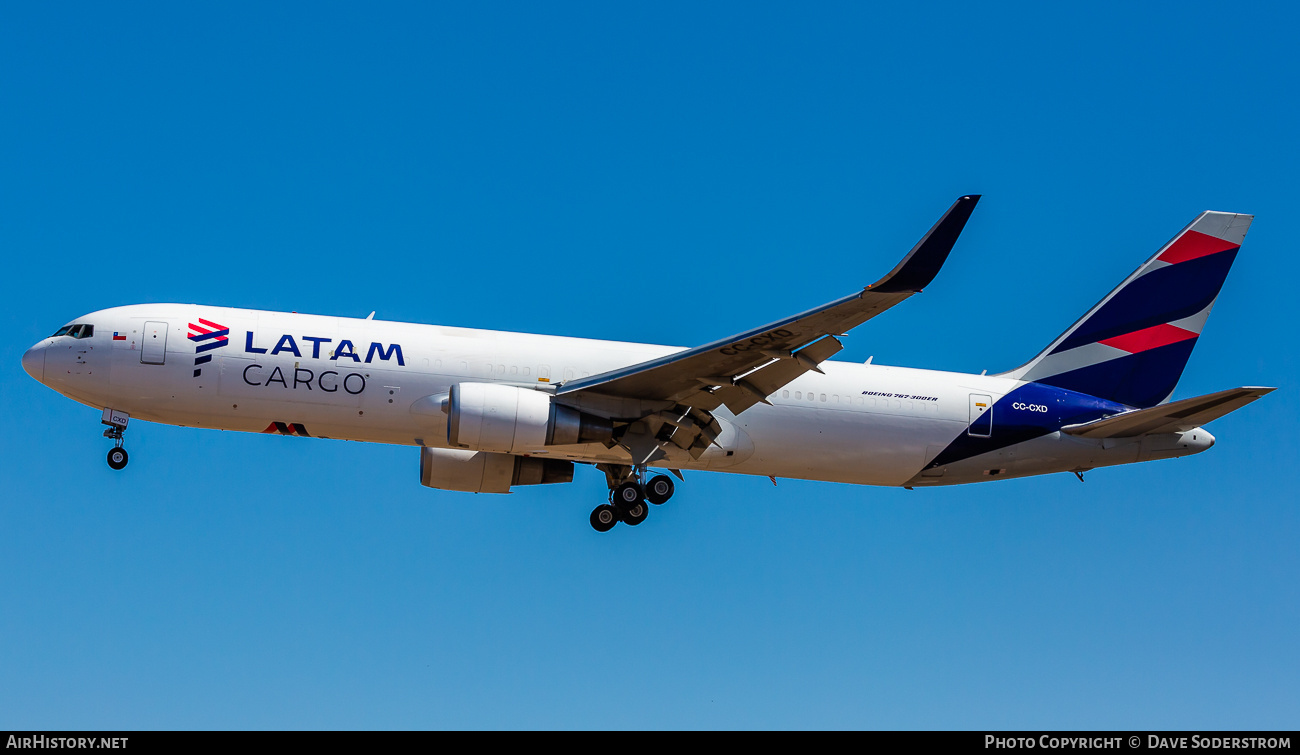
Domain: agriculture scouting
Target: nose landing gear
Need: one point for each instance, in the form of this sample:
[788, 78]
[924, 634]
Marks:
[116, 422]
[117, 457]
[627, 499]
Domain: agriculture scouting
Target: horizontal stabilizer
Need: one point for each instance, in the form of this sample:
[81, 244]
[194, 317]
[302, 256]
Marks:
[1174, 417]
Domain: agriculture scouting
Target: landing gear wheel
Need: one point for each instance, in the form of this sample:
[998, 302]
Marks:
[635, 514]
[603, 518]
[627, 495]
[117, 458]
[659, 489]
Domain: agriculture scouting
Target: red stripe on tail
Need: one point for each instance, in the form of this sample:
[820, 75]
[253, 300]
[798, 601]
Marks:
[1149, 338]
[1195, 244]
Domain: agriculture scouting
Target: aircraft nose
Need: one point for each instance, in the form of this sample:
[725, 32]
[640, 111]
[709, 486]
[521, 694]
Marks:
[34, 362]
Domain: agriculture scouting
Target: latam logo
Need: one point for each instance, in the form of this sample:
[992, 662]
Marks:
[287, 428]
[215, 337]
[344, 350]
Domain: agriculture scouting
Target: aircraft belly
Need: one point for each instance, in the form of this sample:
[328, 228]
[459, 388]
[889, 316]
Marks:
[252, 394]
[841, 445]
[1048, 454]
[325, 400]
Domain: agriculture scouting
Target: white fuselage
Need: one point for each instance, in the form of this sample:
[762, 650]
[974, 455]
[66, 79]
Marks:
[370, 380]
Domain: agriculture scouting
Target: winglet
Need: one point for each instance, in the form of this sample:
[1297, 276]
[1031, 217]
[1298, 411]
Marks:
[921, 264]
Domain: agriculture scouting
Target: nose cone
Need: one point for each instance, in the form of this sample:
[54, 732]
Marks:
[34, 362]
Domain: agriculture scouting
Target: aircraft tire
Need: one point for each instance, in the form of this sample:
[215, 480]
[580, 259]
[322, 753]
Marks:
[117, 458]
[603, 518]
[635, 514]
[659, 489]
[628, 495]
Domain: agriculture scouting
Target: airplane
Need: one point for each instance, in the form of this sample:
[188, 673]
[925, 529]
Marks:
[492, 410]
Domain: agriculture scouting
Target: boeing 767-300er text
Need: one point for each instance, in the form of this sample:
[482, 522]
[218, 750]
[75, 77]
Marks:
[491, 410]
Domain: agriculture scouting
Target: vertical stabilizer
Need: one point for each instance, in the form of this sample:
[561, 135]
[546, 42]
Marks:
[1132, 347]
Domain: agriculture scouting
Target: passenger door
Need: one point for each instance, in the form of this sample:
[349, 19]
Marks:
[153, 347]
[981, 416]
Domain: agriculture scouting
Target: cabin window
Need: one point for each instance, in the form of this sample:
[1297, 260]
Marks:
[823, 398]
[785, 394]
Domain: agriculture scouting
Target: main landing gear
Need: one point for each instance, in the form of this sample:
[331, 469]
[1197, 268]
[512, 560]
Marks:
[116, 422]
[627, 500]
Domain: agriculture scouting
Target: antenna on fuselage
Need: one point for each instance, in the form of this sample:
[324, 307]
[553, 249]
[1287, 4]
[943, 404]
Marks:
[370, 316]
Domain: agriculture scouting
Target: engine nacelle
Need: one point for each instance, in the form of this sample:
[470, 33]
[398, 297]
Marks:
[509, 419]
[483, 472]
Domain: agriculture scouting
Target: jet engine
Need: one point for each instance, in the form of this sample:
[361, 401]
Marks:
[509, 419]
[483, 472]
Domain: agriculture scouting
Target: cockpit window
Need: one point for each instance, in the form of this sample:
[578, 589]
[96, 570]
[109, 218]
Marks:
[75, 330]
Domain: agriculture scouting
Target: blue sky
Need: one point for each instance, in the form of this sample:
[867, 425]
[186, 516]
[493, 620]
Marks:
[668, 174]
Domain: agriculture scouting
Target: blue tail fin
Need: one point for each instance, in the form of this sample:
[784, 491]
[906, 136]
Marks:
[1132, 347]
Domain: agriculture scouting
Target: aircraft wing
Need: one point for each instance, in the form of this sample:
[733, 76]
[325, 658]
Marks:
[746, 368]
[1174, 417]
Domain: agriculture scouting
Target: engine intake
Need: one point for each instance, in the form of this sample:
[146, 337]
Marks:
[508, 419]
[483, 472]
